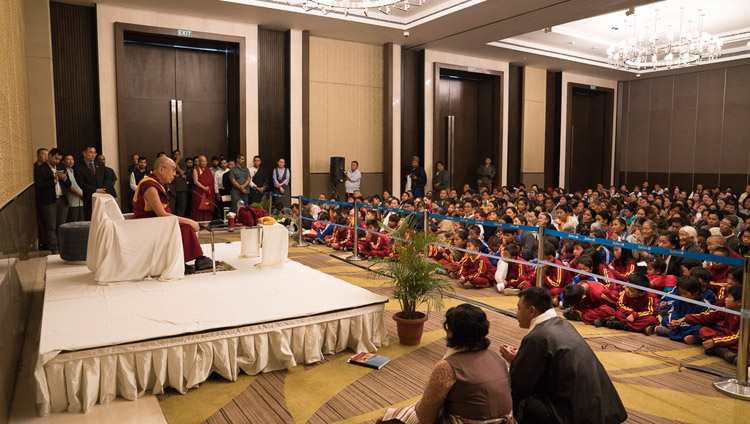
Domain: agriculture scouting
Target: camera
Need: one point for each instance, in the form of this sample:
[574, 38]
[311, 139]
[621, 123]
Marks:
[406, 34]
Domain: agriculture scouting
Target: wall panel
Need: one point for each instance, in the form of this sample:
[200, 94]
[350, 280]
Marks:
[273, 98]
[346, 104]
[76, 72]
[695, 128]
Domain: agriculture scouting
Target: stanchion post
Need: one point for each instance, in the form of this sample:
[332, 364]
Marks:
[299, 242]
[540, 256]
[739, 387]
[426, 229]
[355, 251]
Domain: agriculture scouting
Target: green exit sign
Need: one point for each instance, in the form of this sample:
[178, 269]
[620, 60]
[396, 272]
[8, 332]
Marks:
[185, 33]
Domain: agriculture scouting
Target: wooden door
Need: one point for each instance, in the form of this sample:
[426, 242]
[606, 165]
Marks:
[150, 88]
[201, 89]
[589, 165]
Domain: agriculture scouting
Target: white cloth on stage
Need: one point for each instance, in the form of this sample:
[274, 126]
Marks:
[250, 242]
[275, 246]
[121, 250]
[126, 339]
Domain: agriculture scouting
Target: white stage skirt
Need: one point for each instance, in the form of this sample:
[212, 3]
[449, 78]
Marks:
[98, 342]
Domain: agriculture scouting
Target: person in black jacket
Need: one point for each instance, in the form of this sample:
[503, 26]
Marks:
[109, 176]
[418, 177]
[555, 377]
[90, 176]
[50, 180]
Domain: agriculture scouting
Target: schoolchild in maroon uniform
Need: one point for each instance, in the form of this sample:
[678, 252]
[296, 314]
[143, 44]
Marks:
[476, 270]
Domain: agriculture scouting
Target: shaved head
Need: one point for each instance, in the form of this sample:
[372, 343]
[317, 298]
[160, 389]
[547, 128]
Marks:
[164, 169]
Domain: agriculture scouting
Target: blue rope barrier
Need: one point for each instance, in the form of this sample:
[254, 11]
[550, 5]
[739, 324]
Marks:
[383, 208]
[652, 249]
[487, 223]
[352, 228]
[487, 255]
[328, 202]
[658, 292]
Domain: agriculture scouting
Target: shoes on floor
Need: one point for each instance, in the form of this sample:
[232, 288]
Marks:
[203, 263]
[648, 330]
[571, 316]
[662, 331]
[599, 323]
[616, 325]
[189, 269]
[692, 339]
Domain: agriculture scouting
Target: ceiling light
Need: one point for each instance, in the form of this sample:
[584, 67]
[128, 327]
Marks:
[650, 49]
[344, 6]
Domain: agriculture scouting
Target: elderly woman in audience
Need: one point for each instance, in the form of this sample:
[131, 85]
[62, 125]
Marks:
[470, 384]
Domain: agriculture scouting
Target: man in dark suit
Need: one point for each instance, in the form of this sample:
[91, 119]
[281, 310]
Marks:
[109, 176]
[50, 179]
[555, 377]
[90, 176]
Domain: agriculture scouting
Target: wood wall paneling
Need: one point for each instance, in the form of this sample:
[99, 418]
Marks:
[515, 119]
[708, 113]
[552, 118]
[306, 112]
[273, 98]
[76, 75]
[412, 108]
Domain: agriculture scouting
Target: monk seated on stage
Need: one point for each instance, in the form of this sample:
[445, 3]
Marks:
[150, 200]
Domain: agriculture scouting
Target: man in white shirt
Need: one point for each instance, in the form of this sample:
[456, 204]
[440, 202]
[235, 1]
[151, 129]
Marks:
[353, 177]
[139, 173]
[219, 188]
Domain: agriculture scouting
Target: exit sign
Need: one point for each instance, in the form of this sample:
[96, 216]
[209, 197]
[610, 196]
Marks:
[185, 33]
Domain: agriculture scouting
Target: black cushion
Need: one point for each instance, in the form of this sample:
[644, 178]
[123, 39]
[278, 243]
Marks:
[73, 241]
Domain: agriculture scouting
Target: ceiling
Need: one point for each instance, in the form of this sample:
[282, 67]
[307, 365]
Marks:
[471, 27]
[586, 41]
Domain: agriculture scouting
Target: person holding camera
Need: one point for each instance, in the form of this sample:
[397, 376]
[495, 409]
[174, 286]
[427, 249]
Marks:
[50, 180]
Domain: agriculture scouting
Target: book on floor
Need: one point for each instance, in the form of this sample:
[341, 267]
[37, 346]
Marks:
[369, 360]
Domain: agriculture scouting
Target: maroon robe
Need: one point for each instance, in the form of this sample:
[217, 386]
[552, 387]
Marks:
[191, 248]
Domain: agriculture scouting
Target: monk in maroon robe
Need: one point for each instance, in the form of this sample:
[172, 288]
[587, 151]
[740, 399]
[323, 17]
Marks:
[150, 200]
[202, 207]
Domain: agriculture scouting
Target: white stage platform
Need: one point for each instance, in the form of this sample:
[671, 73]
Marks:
[98, 342]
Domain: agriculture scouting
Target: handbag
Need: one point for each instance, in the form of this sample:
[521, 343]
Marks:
[205, 204]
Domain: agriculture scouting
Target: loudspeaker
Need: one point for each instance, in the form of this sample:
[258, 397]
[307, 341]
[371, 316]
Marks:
[336, 172]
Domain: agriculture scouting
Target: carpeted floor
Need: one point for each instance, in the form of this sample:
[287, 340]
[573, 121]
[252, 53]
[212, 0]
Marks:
[644, 370]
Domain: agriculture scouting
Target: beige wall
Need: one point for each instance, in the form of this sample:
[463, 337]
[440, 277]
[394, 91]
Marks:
[568, 77]
[16, 155]
[432, 57]
[38, 37]
[533, 125]
[346, 104]
[107, 15]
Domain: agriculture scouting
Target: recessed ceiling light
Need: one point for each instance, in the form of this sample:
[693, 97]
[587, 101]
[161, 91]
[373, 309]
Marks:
[615, 28]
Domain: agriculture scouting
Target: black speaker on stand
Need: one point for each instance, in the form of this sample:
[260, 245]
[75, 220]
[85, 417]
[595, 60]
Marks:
[337, 174]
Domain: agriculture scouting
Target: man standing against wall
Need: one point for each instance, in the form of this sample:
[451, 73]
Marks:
[486, 174]
[281, 177]
[50, 180]
[418, 177]
[258, 181]
[180, 184]
[90, 177]
[353, 178]
[240, 179]
[109, 176]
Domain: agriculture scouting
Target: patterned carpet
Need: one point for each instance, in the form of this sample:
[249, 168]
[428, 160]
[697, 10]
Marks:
[644, 370]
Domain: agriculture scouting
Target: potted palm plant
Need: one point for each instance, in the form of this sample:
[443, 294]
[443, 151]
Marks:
[413, 280]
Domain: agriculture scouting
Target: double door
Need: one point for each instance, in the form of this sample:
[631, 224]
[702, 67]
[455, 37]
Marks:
[175, 99]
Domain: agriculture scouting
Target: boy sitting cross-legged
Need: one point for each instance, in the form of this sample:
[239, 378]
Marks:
[690, 288]
[636, 309]
[590, 301]
[476, 270]
[720, 330]
[375, 244]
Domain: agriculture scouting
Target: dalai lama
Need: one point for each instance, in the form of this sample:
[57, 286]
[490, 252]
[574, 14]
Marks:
[151, 200]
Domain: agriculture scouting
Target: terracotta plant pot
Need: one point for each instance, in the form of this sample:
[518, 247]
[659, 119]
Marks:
[410, 330]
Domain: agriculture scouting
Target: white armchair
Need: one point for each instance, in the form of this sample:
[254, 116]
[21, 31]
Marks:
[130, 250]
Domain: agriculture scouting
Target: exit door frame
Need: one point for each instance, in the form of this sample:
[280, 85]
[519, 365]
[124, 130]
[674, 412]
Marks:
[197, 38]
[498, 129]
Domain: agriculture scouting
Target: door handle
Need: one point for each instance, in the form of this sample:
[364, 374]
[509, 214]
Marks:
[180, 140]
[173, 121]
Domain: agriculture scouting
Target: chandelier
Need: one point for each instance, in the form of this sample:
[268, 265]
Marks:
[343, 6]
[650, 49]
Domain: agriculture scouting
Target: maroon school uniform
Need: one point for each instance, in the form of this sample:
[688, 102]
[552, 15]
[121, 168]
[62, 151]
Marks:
[477, 270]
[642, 308]
[598, 303]
[728, 334]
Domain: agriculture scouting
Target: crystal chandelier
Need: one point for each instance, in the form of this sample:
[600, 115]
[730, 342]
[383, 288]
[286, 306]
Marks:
[648, 49]
[343, 6]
